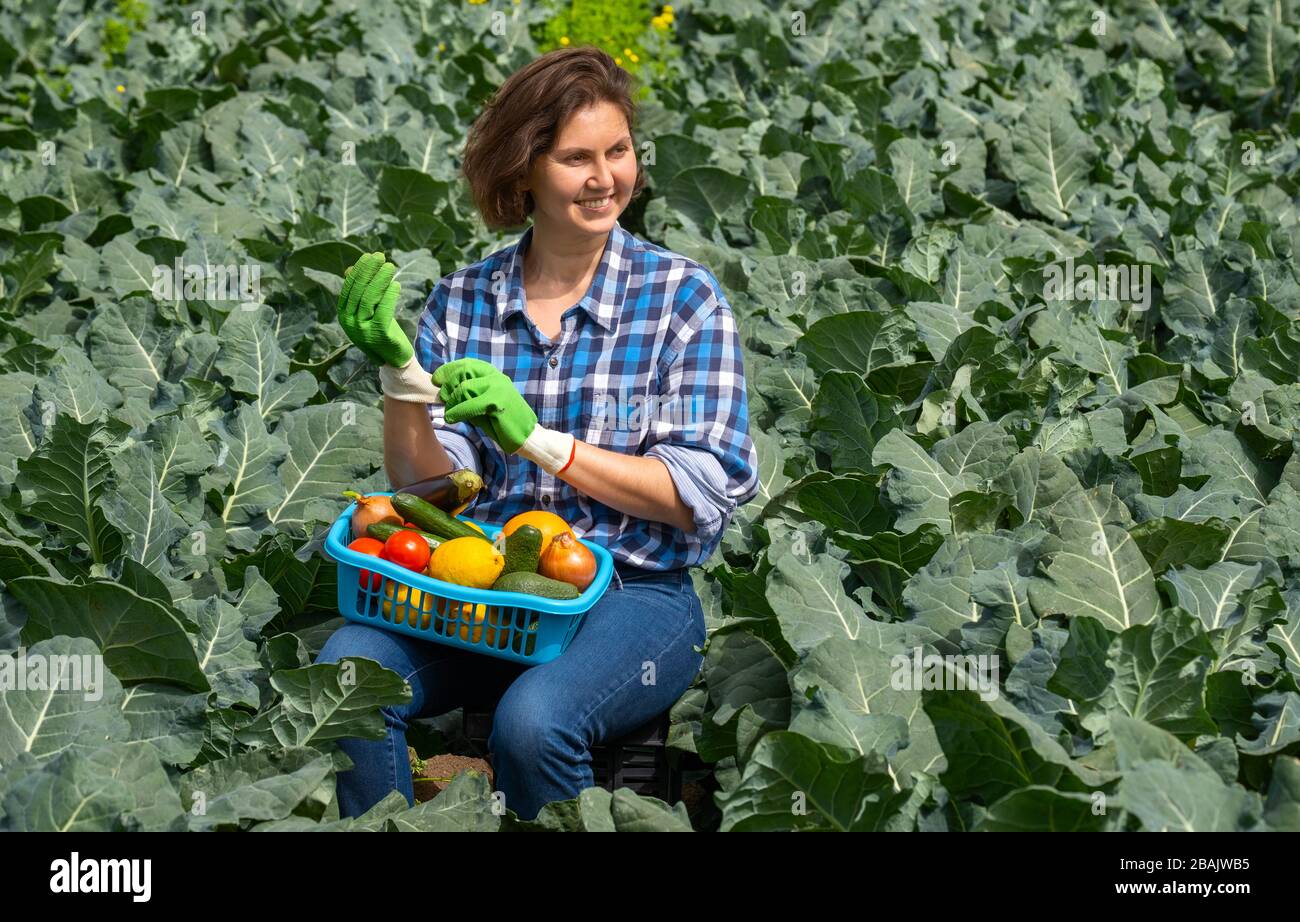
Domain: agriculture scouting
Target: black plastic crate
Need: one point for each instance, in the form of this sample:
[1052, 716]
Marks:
[637, 761]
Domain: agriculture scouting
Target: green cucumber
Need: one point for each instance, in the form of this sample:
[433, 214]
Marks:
[382, 531]
[430, 518]
[523, 550]
[535, 584]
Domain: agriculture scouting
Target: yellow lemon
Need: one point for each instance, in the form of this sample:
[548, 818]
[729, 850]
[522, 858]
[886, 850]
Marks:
[419, 606]
[466, 562]
[469, 616]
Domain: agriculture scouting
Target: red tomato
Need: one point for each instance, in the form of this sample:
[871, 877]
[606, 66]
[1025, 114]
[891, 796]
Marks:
[375, 548]
[407, 549]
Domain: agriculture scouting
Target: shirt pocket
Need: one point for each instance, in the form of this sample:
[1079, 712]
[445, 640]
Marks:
[615, 421]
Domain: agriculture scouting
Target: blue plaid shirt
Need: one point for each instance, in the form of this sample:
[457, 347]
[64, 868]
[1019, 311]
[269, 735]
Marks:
[647, 363]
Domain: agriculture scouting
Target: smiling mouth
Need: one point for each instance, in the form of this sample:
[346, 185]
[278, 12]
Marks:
[596, 204]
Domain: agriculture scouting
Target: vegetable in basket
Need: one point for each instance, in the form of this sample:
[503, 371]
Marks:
[568, 560]
[408, 549]
[451, 492]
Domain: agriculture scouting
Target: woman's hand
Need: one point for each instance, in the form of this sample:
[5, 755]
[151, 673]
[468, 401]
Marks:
[475, 391]
[366, 311]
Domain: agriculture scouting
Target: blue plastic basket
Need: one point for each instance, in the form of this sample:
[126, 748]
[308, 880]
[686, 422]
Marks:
[509, 625]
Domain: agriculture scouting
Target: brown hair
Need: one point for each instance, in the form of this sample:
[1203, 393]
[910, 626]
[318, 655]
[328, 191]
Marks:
[523, 119]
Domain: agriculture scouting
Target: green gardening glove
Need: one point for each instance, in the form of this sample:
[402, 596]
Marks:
[448, 378]
[366, 311]
[475, 391]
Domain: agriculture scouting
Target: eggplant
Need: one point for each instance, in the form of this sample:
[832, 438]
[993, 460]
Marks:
[451, 493]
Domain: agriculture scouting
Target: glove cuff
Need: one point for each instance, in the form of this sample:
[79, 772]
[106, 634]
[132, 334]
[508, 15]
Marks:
[410, 383]
[550, 450]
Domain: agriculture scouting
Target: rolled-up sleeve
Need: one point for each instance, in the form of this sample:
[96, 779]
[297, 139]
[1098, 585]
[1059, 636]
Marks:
[701, 432]
[459, 439]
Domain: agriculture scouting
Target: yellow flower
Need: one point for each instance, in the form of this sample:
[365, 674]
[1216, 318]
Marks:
[628, 53]
[668, 10]
[634, 58]
[120, 88]
[618, 61]
[564, 40]
[442, 46]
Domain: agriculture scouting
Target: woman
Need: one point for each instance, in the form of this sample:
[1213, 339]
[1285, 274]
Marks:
[581, 371]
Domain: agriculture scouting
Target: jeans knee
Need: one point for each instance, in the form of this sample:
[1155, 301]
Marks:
[360, 641]
[340, 644]
[522, 729]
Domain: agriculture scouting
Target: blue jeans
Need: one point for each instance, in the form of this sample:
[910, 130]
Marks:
[631, 659]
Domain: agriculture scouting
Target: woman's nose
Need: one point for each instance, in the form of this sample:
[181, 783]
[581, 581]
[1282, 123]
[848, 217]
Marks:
[603, 175]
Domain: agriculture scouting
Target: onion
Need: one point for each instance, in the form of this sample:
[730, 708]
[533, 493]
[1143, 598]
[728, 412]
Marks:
[371, 509]
[568, 560]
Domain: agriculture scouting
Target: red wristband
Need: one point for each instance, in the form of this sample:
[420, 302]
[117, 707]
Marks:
[572, 454]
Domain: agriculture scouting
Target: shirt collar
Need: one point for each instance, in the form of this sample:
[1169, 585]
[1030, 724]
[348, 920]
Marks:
[602, 300]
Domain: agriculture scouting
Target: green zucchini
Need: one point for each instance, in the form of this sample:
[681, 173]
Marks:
[523, 550]
[536, 584]
[430, 518]
[385, 530]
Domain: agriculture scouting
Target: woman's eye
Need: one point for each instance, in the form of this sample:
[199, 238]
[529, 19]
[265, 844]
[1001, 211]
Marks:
[574, 158]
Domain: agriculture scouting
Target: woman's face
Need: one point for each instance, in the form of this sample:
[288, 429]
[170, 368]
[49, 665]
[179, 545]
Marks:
[592, 158]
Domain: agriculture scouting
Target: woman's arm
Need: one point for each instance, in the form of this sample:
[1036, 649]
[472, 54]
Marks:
[639, 486]
[412, 451]
[419, 443]
[683, 462]
[367, 313]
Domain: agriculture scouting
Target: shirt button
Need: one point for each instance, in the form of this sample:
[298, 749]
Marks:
[546, 500]
[554, 361]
